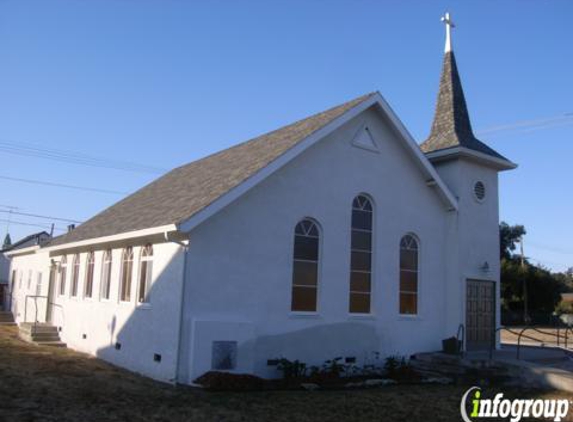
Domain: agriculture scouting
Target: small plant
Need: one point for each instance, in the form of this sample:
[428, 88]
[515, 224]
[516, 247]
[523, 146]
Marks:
[564, 308]
[334, 367]
[292, 369]
[392, 363]
[398, 368]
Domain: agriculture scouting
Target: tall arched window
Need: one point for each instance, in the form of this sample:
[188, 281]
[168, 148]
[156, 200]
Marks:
[305, 266]
[126, 271]
[145, 271]
[106, 275]
[63, 274]
[409, 275]
[75, 274]
[361, 255]
[89, 283]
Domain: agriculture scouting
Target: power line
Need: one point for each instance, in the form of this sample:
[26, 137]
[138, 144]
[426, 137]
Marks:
[74, 157]
[66, 220]
[61, 185]
[532, 124]
[23, 223]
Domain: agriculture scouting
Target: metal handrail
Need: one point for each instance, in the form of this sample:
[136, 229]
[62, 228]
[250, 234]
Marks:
[35, 297]
[531, 327]
[462, 331]
[493, 341]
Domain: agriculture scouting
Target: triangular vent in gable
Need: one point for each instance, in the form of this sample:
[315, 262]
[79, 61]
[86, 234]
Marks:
[364, 139]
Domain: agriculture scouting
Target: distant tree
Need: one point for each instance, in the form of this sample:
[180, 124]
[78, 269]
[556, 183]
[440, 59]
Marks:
[508, 237]
[7, 241]
[544, 288]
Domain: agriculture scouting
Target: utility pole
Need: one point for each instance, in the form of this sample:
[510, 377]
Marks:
[526, 318]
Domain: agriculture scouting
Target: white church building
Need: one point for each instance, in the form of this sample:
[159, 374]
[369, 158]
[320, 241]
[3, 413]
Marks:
[335, 236]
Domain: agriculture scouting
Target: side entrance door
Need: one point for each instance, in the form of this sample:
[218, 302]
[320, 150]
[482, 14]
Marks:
[480, 314]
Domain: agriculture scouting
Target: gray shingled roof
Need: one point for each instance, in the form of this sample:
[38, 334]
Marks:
[452, 127]
[186, 190]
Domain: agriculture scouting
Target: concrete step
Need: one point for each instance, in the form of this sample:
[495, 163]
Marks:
[51, 343]
[31, 328]
[41, 334]
[6, 317]
[42, 337]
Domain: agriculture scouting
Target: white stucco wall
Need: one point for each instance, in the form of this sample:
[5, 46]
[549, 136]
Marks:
[142, 329]
[476, 227]
[28, 268]
[238, 268]
[240, 261]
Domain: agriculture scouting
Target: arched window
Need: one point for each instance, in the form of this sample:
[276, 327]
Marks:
[106, 275]
[126, 271]
[305, 266]
[361, 255]
[89, 283]
[75, 274]
[409, 275]
[63, 274]
[145, 271]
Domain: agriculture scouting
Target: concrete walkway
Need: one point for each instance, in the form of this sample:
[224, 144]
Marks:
[544, 366]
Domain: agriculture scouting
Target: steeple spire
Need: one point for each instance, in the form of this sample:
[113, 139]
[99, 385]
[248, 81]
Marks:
[452, 127]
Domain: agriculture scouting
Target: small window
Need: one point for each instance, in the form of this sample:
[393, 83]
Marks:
[224, 355]
[479, 191]
[409, 275]
[145, 271]
[89, 281]
[361, 255]
[126, 273]
[63, 274]
[305, 266]
[75, 274]
[106, 275]
[29, 279]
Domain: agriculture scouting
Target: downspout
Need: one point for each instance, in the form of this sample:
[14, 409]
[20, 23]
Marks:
[181, 302]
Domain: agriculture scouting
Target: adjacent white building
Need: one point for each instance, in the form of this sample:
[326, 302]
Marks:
[26, 242]
[337, 235]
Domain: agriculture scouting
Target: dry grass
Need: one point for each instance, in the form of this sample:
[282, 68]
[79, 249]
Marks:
[44, 384]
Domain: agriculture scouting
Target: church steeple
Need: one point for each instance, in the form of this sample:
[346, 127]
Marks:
[451, 126]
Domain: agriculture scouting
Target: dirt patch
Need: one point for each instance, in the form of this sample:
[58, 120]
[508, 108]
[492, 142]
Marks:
[45, 384]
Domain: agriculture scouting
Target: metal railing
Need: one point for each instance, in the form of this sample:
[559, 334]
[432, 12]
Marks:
[35, 297]
[493, 341]
[568, 330]
[460, 339]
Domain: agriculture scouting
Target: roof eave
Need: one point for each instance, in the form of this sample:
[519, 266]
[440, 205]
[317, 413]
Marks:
[22, 251]
[472, 155]
[100, 241]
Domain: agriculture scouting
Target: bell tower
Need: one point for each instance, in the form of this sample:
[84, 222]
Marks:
[470, 169]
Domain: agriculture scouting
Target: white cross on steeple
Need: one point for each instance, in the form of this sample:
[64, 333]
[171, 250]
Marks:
[449, 25]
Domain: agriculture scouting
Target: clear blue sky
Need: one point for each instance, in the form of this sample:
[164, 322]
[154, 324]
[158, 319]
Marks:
[165, 82]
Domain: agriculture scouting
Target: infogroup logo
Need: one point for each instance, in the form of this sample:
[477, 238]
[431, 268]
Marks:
[514, 410]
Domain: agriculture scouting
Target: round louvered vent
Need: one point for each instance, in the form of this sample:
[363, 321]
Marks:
[479, 191]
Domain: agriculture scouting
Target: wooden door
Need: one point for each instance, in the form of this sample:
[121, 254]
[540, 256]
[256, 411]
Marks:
[480, 314]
